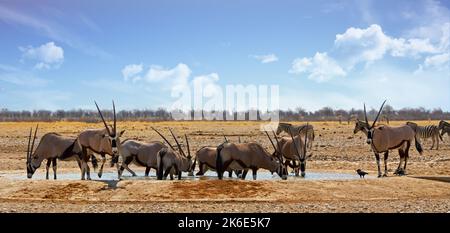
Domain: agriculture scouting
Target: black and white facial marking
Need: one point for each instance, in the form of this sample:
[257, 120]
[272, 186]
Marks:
[281, 170]
[303, 168]
[369, 136]
[30, 170]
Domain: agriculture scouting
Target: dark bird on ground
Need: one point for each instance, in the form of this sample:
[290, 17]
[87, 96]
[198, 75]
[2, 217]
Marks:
[361, 173]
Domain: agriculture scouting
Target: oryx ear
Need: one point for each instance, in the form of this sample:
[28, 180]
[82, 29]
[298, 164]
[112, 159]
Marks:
[121, 132]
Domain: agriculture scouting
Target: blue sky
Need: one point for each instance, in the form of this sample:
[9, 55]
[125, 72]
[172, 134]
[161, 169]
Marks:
[66, 54]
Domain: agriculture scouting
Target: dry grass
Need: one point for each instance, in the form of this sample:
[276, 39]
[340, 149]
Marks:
[335, 149]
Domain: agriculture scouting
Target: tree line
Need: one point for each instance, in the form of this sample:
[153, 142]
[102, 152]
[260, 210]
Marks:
[160, 114]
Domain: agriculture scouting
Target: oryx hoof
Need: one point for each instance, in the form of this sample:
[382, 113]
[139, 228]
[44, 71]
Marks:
[134, 175]
[385, 175]
[379, 176]
[100, 175]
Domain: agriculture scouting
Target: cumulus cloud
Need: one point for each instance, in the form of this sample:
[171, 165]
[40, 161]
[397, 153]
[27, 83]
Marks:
[368, 45]
[47, 55]
[130, 72]
[320, 67]
[265, 58]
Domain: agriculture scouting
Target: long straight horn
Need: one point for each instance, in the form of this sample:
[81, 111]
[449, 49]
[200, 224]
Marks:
[34, 138]
[187, 145]
[295, 144]
[29, 144]
[271, 141]
[379, 111]
[103, 119]
[225, 137]
[365, 114]
[278, 143]
[278, 146]
[306, 140]
[163, 138]
[239, 139]
[114, 112]
[178, 144]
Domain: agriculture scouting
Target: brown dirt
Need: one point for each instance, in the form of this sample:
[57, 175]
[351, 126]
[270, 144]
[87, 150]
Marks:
[336, 149]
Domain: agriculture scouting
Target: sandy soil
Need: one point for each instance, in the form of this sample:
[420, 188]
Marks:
[336, 149]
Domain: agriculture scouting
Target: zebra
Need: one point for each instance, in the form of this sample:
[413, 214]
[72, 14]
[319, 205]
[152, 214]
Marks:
[444, 127]
[298, 130]
[428, 131]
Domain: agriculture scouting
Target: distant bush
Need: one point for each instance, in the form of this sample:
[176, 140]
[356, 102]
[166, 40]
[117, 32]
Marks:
[299, 114]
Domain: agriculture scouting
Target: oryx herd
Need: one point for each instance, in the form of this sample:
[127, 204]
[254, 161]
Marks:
[288, 151]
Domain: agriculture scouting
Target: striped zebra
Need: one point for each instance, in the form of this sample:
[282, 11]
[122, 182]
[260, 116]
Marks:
[298, 130]
[444, 127]
[428, 131]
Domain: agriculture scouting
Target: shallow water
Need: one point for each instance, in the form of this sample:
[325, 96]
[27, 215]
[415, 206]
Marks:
[261, 175]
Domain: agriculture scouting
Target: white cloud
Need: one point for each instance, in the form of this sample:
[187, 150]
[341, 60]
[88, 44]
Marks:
[437, 60]
[131, 72]
[175, 79]
[208, 83]
[371, 44]
[321, 67]
[47, 55]
[265, 58]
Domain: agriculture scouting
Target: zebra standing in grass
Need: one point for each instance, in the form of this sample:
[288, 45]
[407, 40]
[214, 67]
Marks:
[428, 131]
[298, 130]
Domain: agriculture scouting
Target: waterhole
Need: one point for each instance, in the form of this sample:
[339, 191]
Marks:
[110, 175]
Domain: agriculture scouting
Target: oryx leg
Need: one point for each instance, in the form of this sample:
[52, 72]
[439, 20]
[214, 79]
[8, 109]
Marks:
[166, 173]
[230, 173]
[147, 170]
[200, 169]
[408, 144]
[244, 174]
[386, 155]
[254, 170]
[47, 167]
[402, 155]
[54, 168]
[226, 164]
[377, 157]
[100, 172]
[124, 165]
[238, 173]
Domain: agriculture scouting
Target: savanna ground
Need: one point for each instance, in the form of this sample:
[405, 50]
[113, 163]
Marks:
[336, 149]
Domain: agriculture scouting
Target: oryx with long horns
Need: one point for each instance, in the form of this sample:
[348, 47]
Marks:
[101, 141]
[294, 149]
[384, 138]
[170, 161]
[52, 147]
[249, 156]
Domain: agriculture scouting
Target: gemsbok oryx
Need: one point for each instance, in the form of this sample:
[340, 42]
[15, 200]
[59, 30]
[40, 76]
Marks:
[301, 130]
[206, 157]
[428, 131]
[101, 141]
[249, 156]
[140, 153]
[294, 149]
[52, 146]
[384, 138]
[169, 161]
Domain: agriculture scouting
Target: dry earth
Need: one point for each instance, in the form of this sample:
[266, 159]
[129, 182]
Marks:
[336, 149]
